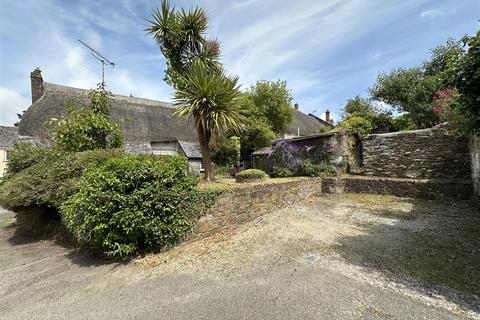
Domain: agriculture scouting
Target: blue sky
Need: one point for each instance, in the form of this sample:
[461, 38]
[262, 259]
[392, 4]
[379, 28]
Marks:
[327, 51]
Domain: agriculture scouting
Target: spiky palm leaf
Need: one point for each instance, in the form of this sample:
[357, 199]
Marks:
[209, 96]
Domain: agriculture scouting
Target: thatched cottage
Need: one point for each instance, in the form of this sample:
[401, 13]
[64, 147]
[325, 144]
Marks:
[149, 126]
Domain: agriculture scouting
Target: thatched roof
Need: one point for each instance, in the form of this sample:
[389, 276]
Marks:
[8, 137]
[143, 120]
[306, 124]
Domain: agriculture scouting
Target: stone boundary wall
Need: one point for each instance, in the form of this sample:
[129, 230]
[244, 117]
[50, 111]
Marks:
[239, 206]
[413, 188]
[475, 163]
[329, 146]
[421, 154]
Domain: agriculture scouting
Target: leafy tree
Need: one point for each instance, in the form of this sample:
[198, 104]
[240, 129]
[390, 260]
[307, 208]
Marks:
[271, 101]
[403, 122]
[257, 134]
[357, 125]
[374, 119]
[408, 90]
[467, 83]
[180, 36]
[359, 106]
[413, 90]
[268, 111]
[227, 151]
[203, 90]
[88, 127]
[208, 97]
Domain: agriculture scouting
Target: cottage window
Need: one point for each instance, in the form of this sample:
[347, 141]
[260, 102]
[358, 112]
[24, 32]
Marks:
[5, 155]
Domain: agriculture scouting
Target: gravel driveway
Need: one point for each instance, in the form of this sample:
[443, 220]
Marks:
[331, 257]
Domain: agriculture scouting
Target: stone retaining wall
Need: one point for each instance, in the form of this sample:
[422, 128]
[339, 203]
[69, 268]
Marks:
[414, 188]
[238, 206]
[428, 153]
[475, 164]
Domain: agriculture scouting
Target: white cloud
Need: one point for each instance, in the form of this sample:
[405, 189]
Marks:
[376, 56]
[11, 103]
[431, 14]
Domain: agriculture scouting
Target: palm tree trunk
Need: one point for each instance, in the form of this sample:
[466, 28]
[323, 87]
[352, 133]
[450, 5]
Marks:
[204, 140]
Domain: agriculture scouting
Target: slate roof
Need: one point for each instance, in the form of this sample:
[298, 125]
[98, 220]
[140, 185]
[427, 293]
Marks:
[265, 150]
[144, 120]
[191, 149]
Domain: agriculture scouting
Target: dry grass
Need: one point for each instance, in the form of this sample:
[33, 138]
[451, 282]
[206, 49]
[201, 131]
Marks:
[227, 184]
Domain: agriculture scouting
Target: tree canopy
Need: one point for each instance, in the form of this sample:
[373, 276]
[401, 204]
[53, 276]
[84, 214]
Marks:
[88, 127]
[203, 90]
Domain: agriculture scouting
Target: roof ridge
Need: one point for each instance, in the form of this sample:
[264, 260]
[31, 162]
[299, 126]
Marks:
[53, 86]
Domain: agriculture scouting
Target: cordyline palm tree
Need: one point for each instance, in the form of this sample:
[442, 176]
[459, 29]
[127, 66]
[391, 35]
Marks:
[209, 97]
[203, 90]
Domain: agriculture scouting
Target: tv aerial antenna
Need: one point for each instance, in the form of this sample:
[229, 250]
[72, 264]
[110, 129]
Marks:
[97, 55]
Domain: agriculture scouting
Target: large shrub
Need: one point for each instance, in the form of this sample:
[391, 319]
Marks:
[250, 174]
[51, 181]
[25, 155]
[88, 127]
[136, 203]
[357, 125]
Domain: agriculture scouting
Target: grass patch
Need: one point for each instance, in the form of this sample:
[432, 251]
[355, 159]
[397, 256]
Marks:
[228, 184]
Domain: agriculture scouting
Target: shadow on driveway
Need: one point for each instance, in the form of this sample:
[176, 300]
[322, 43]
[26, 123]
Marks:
[437, 243]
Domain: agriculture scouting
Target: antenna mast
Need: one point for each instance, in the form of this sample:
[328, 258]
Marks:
[101, 58]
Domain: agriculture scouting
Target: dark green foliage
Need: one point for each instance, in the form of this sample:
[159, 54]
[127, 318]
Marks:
[227, 153]
[51, 181]
[271, 101]
[467, 83]
[360, 117]
[411, 91]
[203, 90]
[309, 169]
[88, 127]
[357, 125]
[257, 134]
[403, 122]
[327, 169]
[283, 172]
[250, 174]
[358, 106]
[180, 35]
[25, 155]
[268, 111]
[139, 202]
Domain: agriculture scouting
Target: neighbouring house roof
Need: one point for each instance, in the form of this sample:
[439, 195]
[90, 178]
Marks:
[141, 120]
[266, 150]
[313, 136]
[305, 124]
[191, 149]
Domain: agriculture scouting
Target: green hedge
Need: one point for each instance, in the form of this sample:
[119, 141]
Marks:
[49, 182]
[26, 155]
[250, 174]
[134, 204]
